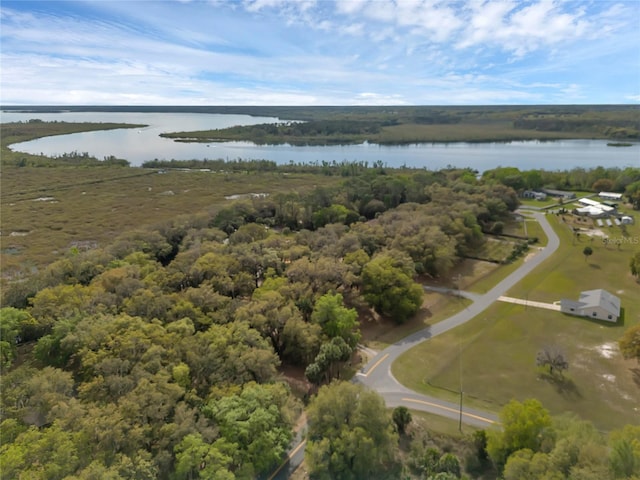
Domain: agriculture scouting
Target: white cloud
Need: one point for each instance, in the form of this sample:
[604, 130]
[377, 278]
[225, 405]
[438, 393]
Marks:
[355, 29]
[316, 52]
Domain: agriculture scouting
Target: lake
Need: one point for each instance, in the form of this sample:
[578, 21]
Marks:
[139, 145]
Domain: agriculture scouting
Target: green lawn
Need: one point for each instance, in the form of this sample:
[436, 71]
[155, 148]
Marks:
[496, 248]
[534, 230]
[499, 346]
[568, 272]
[486, 283]
[440, 425]
[531, 202]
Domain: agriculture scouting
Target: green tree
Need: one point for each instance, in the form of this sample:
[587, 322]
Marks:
[325, 365]
[256, 420]
[449, 463]
[630, 343]
[624, 456]
[402, 418]
[524, 426]
[587, 252]
[196, 458]
[390, 290]
[337, 320]
[11, 320]
[351, 434]
[301, 341]
[633, 193]
[268, 312]
[634, 264]
[42, 453]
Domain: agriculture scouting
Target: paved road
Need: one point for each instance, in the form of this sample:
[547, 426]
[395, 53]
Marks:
[377, 373]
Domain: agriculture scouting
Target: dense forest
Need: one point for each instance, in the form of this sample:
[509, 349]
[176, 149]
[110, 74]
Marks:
[139, 358]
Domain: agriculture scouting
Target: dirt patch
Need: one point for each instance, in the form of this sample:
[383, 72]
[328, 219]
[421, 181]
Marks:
[593, 232]
[530, 255]
[238, 196]
[294, 376]
[607, 350]
[464, 274]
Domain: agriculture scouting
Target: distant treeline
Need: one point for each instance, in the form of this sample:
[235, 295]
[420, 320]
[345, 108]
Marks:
[610, 127]
[510, 112]
[395, 126]
[345, 169]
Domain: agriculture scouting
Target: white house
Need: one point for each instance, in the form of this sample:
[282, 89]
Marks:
[597, 303]
[610, 196]
[593, 208]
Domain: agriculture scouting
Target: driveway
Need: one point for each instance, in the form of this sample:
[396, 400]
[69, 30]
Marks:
[530, 303]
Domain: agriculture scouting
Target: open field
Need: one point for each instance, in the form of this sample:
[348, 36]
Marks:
[496, 351]
[45, 210]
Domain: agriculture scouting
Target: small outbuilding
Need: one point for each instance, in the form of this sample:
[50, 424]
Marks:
[598, 304]
[559, 193]
[610, 195]
[534, 195]
[626, 220]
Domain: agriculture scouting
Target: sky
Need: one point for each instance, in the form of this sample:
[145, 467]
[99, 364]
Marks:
[320, 52]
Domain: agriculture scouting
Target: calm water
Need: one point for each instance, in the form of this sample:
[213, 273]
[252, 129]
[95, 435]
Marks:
[139, 145]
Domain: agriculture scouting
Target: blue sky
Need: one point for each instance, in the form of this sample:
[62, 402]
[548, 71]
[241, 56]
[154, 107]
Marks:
[320, 52]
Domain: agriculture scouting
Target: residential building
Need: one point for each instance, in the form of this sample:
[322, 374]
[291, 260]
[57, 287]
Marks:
[598, 304]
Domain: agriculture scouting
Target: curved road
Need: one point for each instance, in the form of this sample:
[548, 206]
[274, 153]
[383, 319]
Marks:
[377, 373]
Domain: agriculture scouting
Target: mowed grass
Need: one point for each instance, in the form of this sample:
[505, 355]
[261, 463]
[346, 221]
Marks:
[45, 210]
[568, 272]
[496, 351]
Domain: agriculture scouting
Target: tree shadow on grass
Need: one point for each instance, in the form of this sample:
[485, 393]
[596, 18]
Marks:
[563, 385]
[595, 266]
[635, 372]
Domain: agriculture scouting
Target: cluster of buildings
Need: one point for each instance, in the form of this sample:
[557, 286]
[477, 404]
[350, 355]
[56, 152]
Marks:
[595, 209]
[605, 208]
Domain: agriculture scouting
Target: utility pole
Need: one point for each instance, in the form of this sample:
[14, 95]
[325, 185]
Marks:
[460, 419]
[460, 375]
